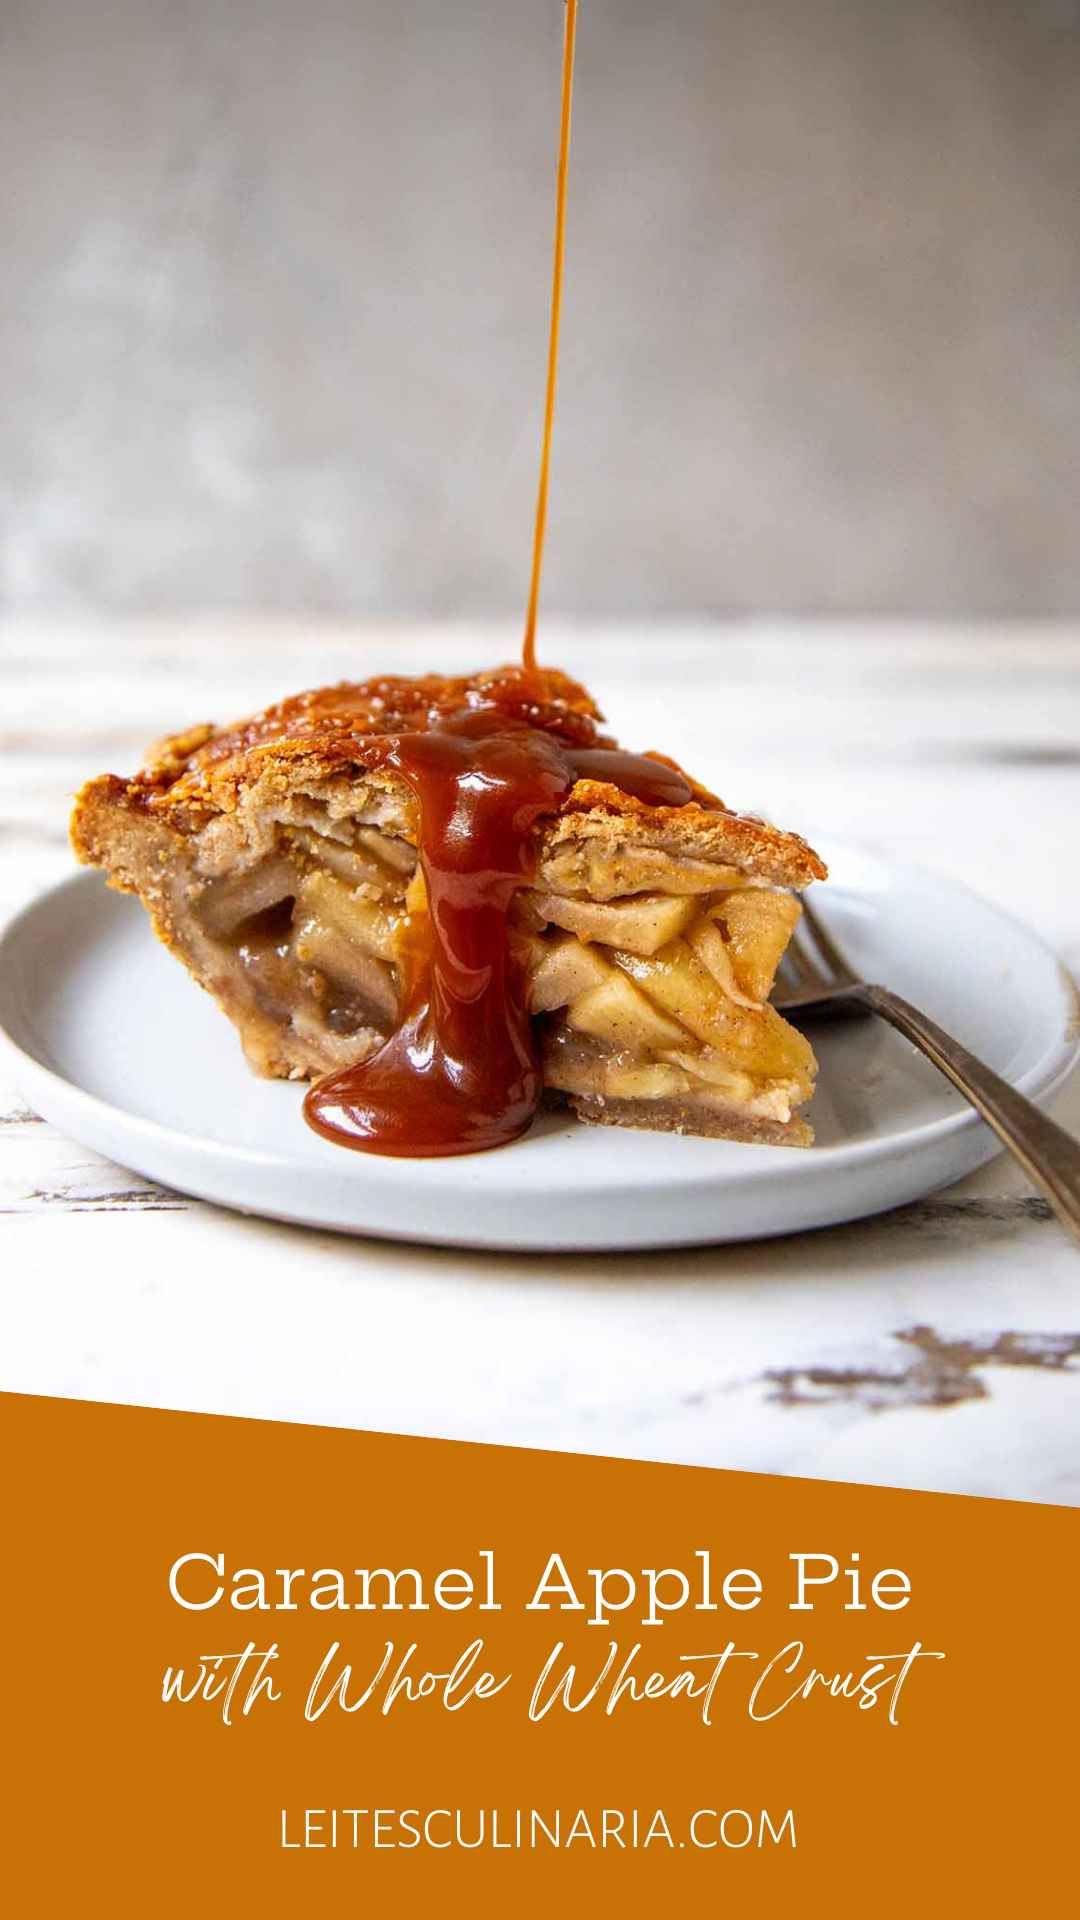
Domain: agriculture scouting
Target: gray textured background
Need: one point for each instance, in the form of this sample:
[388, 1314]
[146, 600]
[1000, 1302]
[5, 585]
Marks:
[274, 305]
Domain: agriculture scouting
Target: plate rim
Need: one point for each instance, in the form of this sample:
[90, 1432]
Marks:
[1039, 1082]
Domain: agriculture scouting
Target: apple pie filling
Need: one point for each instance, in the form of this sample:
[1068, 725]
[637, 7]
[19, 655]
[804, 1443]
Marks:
[656, 1008]
[307, 938]
[655, 995]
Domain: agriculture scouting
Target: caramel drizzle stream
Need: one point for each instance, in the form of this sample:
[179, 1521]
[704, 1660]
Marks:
[528, 651]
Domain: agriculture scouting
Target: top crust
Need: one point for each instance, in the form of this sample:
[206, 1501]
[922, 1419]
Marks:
[600, 817]
[314, 743]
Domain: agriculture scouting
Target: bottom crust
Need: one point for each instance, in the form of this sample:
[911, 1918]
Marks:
[688, 1116]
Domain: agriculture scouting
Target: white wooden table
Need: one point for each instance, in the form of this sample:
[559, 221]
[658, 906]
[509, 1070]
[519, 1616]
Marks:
[796, 1356]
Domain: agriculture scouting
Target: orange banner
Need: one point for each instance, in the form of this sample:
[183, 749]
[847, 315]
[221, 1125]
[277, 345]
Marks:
[253, 1667]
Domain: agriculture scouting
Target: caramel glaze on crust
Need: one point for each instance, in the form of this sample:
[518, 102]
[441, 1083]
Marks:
[331, 733]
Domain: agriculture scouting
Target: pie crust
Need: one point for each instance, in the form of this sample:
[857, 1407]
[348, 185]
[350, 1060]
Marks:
[279, 862]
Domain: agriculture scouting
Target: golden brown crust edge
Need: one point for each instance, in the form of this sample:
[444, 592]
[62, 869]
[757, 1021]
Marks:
[315, 740]
[594, 817]
[594, 811]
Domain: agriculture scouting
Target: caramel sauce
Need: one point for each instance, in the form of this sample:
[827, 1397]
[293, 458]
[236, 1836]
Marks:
[528, 651]
[461, 1073]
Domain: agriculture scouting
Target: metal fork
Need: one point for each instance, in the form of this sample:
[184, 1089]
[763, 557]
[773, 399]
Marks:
[815, 978]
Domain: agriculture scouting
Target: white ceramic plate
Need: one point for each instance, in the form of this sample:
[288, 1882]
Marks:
[115, 1046]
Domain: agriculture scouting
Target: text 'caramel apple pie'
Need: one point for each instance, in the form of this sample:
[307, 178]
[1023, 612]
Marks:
[441, 900]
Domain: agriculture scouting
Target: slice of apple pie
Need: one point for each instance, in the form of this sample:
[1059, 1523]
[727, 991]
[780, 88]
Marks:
[461, 890]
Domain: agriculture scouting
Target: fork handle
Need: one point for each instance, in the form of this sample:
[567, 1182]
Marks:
[1049, 1156]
